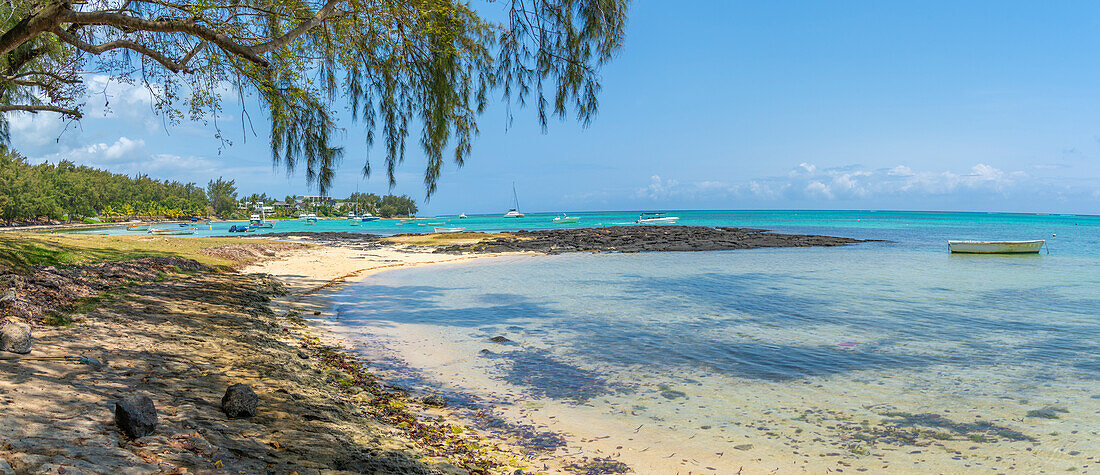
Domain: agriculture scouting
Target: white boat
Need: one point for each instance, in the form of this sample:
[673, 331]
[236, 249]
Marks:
[172, 231]
[366, 218]
[449, 230]
[514, 212]
[259, 221]
[565, 219]
[308, 218]
[462, 216]
[996, 247]
[656, 218]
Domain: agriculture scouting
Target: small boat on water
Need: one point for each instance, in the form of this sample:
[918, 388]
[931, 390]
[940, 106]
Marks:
[138, 227]
[238, 229]
[308, 218]
[996, 247]
[260, 221]
[514, 212]
[656, 218]
[366, 218]
[178, 231]
[565, 219]
[462, 216]
[449, 230]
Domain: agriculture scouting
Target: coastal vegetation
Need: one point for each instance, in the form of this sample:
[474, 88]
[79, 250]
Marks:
[69, 192]
[66, 191]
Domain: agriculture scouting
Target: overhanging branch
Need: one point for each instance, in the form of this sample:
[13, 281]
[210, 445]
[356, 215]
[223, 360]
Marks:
[36, 108]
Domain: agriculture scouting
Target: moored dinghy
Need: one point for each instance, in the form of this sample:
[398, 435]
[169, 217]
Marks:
[449, 230]
[995, 247]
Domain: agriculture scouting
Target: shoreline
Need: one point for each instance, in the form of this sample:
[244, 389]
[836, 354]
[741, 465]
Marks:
[182, 332]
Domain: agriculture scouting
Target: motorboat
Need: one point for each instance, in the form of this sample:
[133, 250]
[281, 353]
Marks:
[366, 218]
[656, 218]
[449, 230]
[138, 227]
[260, 221]
[565, 219]
[995, 247]
[462, 216]
[308, 218]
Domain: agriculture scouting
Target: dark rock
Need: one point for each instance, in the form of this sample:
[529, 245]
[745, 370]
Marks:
[434, 400]
[485, 351]
[303, 355]
[743, 447]
[673, 394]
[500, 339]
[136, 415]
[239, 401]
[15, 336]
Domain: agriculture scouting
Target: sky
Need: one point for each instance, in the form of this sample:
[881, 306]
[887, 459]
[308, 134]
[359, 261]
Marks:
[936, 105]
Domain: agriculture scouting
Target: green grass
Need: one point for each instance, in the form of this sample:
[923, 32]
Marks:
[22, 250]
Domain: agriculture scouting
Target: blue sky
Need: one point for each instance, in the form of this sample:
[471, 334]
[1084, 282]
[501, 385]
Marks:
[985, 106]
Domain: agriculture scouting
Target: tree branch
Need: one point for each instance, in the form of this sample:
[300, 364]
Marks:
[163, 26]
[171, 64]
[36, 108]
[323, 14]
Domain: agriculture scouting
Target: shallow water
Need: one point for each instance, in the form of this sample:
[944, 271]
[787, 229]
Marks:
[891, 356]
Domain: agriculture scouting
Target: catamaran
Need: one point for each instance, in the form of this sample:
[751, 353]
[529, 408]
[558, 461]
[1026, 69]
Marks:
[656, 218]
[565, 219]
[514, 212]
[995, 247]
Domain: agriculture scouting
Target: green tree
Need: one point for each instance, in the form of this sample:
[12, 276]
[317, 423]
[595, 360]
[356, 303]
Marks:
[399, 65]
[223, 196]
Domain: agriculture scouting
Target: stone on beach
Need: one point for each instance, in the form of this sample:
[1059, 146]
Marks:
[500, 339]
[136, 415]
[239, 401]
[434, 400]
[15, 337]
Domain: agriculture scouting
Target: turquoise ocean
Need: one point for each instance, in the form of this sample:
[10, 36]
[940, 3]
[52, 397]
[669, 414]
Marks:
[892, 356]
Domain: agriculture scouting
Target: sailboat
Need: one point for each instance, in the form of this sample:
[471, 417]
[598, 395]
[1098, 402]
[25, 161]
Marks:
[514, 212]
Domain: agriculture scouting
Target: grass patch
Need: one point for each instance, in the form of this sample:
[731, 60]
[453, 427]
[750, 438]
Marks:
[22, 250]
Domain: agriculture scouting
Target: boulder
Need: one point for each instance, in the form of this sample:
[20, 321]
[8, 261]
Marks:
[15, 336]
[136, 415]
[239, 401]
[9, 296]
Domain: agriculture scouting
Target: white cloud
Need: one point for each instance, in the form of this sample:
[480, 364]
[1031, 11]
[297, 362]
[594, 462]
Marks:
[810, 184]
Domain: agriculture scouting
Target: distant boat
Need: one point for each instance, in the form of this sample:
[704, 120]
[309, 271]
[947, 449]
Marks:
[366, 218]
[462, 216]
[449, 230]
[138, 227]
[565, 219]
[308, 218]
[995, 247]
[238, 229]
[260, 221]
[172, 231]
[514, 212]
[656, 218]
